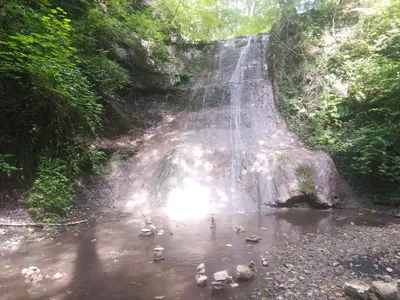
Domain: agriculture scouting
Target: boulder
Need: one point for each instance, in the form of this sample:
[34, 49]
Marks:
[244, 272]
[385, 290]
[357, 289]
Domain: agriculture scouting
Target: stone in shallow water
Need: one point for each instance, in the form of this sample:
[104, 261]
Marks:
[264, 262]
[239, 228]
[253, 239]
[357, 289]
[146, 232]
[201, 267]
[158, 254]
[218, 285]
[221, 275]
[385, 290]
[201, 280]
[244, 272]
[159, 248]
[57, 276]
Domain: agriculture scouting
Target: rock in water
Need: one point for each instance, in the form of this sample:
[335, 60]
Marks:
[244, 272]
[158, 254]
[239, 228]
[201, 280]
[201, 266]
[357, 289]
[220, 280]
[147, 220]
[221, 276]
[57, 276]
[385, 290]
[213, 224]
[264, 262]
[32, 274]
[253, 239]
[146, 232]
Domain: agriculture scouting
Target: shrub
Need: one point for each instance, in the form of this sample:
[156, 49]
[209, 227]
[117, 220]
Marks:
[52, 191]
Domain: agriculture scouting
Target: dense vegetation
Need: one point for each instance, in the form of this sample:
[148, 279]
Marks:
[336, 72]
[69, 70]
[65, 66]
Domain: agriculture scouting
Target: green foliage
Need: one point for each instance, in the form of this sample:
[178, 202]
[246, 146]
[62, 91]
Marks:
[6, 166]
[48, 57]
[218, 19]
[63, 63]
[305, 175]
[96, 160]
[336, 76]
[52, 191]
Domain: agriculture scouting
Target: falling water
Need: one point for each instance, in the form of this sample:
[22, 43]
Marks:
[232, 150]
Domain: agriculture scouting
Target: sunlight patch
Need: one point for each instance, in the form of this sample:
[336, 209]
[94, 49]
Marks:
[192, 201]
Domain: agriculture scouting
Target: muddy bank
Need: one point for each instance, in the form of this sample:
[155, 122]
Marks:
[310, 254]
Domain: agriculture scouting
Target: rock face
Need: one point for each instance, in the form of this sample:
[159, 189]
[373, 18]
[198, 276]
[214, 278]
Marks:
[235, 150]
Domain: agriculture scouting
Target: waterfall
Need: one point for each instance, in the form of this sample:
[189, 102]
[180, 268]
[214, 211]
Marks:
[231, 150]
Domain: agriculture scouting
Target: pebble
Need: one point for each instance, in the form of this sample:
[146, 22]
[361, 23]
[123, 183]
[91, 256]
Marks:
[335, 264]
[390, 270]
[57, 276]
[264, 262]
[234, 285]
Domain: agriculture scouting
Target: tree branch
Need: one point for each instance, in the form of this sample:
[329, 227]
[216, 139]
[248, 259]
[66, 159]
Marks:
[176, 11]
[40, 224]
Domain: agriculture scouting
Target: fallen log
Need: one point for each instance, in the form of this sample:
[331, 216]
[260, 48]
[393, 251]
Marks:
[41, 224]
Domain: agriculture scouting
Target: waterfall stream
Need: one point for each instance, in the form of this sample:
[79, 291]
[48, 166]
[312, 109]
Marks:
[233, 152]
